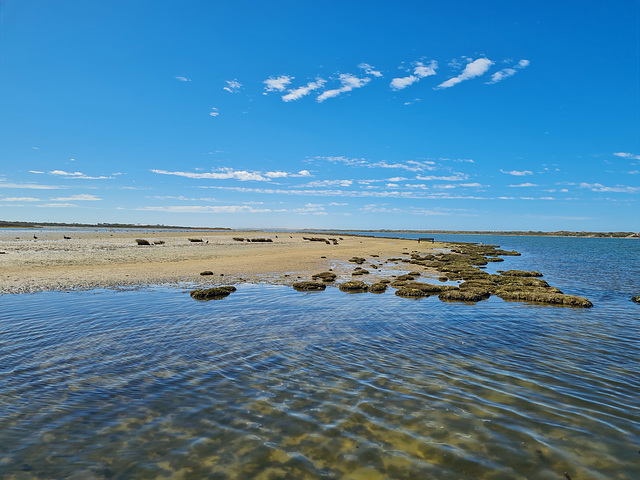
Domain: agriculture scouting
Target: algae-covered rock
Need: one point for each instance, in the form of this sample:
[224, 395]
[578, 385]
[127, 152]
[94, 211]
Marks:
[353, 286]
[541, 296]
[358, 260]
[206, 272]
[327, 277]
[309, 286]
[430, 288]
[466, 295]
[636, 299]
[213, 293]
[409, 292]
[378, 287]
[142, 241]
[523, 281]
[360, 271]
[520, 273]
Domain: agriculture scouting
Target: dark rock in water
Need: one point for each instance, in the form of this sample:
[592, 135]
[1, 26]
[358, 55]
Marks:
[430, 288]
[636, 299]
[409, 292]
[309, 286]
[353, 287]
[360, 271]
[443, 279]
[357, 260]
[195, 240]
[378, 287]
[523, 281]
[262, 240]
[238, 239]
[206, 272]
[213, 293]
[385, 280]
[541, 296]
[327, 277]
[466, 295]
[520, 273]
[141, 241]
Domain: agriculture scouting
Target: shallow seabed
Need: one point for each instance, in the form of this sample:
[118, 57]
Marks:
[273, 383]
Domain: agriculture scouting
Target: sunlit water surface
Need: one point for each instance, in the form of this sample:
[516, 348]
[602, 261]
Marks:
[273, 383]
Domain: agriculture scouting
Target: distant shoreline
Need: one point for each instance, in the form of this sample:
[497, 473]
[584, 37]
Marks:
[529, 233]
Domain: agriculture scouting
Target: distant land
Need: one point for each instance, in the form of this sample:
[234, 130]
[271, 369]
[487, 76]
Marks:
[6, 224]
[531, 233]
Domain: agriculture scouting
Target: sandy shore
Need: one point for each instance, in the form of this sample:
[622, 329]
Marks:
[108, 258]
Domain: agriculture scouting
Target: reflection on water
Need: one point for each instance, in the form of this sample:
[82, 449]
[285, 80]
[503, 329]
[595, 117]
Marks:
[273, 383]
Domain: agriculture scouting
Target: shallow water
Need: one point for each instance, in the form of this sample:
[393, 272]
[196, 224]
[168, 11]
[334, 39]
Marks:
[273, 383]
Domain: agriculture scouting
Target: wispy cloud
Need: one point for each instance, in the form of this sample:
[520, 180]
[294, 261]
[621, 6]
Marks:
[19, 199]
[373, 208]
[80, 197]
[183, 79]
[220, 174]
[410, 165]
[473, 69]
[524, 185]
[57, 205]
[233, 86]
[517, 173]
[75, 175]
[598, 187]
[369, 70]
[277, 84]
[348, 81]
[214, 112]
[300, 92]
[205, 209]
[31, 186]
[507, 72]
[448, 178]
[420, 70]
[627, 155]
[329, 183]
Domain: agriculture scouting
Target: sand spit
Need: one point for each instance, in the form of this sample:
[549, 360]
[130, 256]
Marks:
[113, 258]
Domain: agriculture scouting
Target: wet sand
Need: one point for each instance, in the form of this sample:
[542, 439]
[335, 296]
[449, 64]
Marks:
[108, 258]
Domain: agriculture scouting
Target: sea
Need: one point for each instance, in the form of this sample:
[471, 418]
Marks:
[271, 383]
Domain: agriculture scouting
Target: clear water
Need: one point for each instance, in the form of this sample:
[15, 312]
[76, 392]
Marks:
[273, 383]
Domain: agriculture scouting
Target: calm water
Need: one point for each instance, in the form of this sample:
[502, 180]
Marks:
[273, 383]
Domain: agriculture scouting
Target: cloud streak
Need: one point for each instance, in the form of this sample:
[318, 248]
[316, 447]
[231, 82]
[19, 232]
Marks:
[349, 82]
[300, 92]
[420, 71]
[473, 69]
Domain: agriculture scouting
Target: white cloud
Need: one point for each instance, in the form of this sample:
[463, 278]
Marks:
[79, 197]
[419, 71]
[300, 92]
[349, 82]
[214, 112]
[206, 209]
[78, 175]
[221, 174]
[19, 199]
[449, 178]
[410, 165]
[57, 205]
[36, 171]
[32, 186]
[369, 70]
[517, 173]
[183, 79]
[302, 173]
[524, 185]
[598, 187]
[277, 84]
[397, 179]
[36, 148]
[473, 69]
[507, 72]
[233, 86]
[328, 183]
[627, 155]
[276, 174]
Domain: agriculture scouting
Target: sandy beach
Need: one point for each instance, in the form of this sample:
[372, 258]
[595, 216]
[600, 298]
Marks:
[112, 258]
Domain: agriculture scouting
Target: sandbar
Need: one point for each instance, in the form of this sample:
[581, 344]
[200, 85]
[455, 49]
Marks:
[111, 258]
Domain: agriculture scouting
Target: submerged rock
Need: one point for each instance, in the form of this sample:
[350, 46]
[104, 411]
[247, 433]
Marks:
[213, 293]
[309, 286]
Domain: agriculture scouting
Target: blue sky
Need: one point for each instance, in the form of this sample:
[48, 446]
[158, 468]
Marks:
[353, 114]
